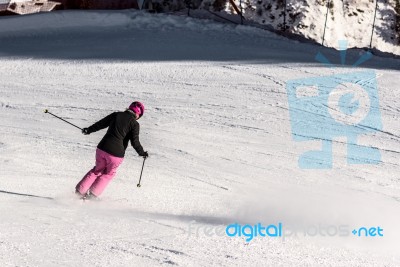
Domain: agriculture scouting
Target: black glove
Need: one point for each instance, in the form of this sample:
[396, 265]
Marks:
[145, 154]
[85, 131]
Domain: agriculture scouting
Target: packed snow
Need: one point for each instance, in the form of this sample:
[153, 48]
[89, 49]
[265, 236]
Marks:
[218, 132]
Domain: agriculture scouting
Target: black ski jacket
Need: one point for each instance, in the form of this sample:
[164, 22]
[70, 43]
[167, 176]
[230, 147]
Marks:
[122, 128]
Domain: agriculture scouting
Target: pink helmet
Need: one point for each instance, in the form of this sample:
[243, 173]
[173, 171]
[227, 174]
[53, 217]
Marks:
[137, 107]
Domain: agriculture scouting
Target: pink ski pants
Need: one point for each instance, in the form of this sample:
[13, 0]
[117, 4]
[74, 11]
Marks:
[97, 179]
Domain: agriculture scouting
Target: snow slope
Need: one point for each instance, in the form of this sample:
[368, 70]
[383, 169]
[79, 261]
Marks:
[217, 129]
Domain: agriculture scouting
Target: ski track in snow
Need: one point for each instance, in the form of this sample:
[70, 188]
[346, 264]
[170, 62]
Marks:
[218, 131]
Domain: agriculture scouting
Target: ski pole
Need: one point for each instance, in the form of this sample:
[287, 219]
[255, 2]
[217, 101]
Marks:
[46, 111]
[138, 185]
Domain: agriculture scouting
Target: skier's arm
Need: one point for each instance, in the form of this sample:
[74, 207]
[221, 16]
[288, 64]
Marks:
[135, 141]
[101, 124]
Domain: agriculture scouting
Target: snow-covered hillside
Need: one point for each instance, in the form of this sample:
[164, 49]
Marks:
[349, 20]
[218, 132]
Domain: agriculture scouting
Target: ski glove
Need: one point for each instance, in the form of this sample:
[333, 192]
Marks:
[145, 154]
[85, 131]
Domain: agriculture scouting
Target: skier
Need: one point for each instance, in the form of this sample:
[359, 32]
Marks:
[122, 128]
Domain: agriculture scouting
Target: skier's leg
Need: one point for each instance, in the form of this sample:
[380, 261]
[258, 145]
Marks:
[83, 186]
[102, 181]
